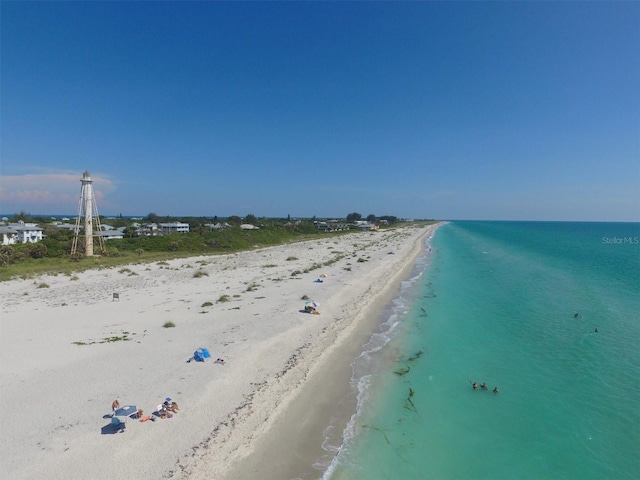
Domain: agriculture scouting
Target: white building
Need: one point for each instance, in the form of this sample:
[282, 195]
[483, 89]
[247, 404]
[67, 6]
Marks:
[27, 232]
[9, 235]
[365, 225]
[174, 227]
[111, 234]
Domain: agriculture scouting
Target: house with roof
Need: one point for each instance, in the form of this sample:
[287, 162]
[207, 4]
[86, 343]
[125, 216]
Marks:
[112, 233]
[365, 225]
[174, 227]
[27, 232]
[218, 226]
[9, 235]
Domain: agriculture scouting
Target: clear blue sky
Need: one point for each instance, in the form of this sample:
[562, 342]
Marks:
[500, 110]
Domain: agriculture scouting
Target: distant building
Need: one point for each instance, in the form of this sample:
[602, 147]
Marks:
[173, 227]
[365, 225]
[68, 226]
[21, 233]
[332, 226]
[217, 226]
[112, 234]
[27, 232]
[9, 235]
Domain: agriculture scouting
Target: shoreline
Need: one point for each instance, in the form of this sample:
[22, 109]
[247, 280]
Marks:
[292, 444]
[68, 349]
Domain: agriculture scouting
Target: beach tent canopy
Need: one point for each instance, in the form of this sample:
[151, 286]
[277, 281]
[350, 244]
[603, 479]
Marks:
[125, 411]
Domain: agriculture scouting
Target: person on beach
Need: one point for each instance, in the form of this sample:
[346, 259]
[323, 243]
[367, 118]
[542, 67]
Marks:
[483, 386]
[115, 405]
[495, 390]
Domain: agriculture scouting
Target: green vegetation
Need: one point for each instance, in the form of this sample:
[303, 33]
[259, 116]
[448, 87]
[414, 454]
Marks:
[122, 338]
[223, 299]
[206, 304]
[169, 325]
[52, 254]
[200, 273]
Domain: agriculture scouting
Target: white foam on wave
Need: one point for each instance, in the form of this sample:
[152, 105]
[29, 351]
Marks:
[364, 364]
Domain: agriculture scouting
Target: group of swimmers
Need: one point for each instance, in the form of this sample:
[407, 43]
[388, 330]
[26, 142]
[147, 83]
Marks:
[483, 386]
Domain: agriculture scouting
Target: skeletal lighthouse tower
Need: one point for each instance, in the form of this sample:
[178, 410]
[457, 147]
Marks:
[88, 209]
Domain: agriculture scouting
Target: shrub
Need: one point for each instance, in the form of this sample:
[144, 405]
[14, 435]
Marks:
[223, 298]
[291, 258]
[200, 273]
[7, 255]
[43, 285]
[206, 304]
[169, 325]
[76, 257]
[112, 252]
[37, 250]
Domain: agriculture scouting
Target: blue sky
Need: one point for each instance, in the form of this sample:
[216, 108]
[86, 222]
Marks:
[498, 110]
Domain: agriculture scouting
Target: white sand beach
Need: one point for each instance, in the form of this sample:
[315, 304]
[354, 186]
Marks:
[59, 374]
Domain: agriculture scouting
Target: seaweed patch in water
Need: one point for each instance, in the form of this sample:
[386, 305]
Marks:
[408, 404]
[416, 356]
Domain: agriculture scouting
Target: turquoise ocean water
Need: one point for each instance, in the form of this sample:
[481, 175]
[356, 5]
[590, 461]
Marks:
[495, 302]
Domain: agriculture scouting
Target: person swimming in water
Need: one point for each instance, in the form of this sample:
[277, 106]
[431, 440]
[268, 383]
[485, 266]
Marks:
[495, 390]
[596, 330]
[474, 385]
[483, 386]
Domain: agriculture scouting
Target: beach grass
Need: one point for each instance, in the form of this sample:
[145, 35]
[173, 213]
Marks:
[159, 250]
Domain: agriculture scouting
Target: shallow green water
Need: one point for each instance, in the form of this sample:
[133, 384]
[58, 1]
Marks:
[496, 304]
